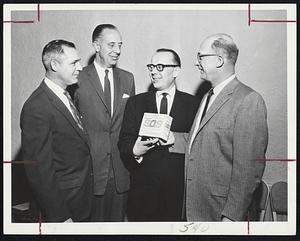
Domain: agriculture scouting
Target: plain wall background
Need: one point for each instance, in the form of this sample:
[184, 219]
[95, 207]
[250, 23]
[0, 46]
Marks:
[262, 62]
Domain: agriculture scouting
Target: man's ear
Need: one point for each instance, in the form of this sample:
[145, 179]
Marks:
[54, 65]
[176, 71]
[220, 62]
[96, 46]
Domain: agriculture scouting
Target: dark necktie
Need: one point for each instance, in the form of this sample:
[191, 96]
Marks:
[164, 104]
[74, 110]
[107, 92]
[210, 93]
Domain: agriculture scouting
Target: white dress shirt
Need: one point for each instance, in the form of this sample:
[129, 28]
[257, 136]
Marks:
[101, 74]
[59, 92]
[217, 91]
[170, 98]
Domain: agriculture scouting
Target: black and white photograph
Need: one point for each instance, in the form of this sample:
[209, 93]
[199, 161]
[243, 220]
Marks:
[149, 119]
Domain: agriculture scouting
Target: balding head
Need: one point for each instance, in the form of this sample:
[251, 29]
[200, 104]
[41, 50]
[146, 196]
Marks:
[224, 45]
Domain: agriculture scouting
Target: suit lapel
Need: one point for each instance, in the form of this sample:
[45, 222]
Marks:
[194, 124]
[95, 81]
[177, 107]
[117, 91]
[58, 104]
[151, 103]
[221, 99]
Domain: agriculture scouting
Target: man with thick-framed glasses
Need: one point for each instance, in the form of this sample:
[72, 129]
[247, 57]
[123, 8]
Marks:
[225, 150]
[157, 176]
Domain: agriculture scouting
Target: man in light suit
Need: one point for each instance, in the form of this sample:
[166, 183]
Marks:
[101, 97]
[55, 140]
[225, 150]
[157, 176]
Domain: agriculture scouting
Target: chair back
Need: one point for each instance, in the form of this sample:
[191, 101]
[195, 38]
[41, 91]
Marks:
[260, 202]
[279, 201]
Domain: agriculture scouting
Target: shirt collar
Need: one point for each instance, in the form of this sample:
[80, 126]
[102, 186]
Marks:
[54, 87]
[99, 68]
[221, 86]
[170, 92]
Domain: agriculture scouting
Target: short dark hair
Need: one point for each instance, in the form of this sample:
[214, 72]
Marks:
[99, 29]
[175, 55]
[225, 43]
[54, 49]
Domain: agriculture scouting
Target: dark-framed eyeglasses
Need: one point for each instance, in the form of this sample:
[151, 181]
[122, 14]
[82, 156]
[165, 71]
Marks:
[159, 67]
[200, 56]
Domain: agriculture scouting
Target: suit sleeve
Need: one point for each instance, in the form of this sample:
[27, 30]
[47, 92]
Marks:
[250, 140]
[37, 147]
[180, 143]
[128, 134]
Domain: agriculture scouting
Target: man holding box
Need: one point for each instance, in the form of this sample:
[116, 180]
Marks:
[157, 176]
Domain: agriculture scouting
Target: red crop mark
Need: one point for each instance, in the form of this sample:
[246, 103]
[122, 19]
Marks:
[40, 223]
[250, 20]
[25, 21]
[38, 11]
[18, 21]
[19, 162]
[248, 224]
[277, 160]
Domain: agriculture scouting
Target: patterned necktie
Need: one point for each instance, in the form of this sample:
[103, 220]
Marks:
[74, 110]
[210, 93]
[107, 91]
[164, 104]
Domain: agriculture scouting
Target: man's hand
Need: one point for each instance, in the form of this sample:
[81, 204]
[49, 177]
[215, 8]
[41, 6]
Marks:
[170, 141]
[141, 147]
[69, 220]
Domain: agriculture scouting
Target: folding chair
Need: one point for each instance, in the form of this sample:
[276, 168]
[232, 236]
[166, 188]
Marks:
[279, 201]
[260, 202]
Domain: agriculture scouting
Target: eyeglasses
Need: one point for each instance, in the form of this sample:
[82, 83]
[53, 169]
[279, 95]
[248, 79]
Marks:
[200, 56]
[159, 67]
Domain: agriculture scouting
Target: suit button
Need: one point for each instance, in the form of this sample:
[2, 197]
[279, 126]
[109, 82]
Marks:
[91, 174]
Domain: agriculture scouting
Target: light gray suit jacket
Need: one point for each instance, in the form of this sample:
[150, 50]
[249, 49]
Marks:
[226, 160]
[103, 129]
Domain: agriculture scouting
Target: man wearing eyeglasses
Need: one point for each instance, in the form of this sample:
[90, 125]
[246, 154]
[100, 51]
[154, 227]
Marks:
[225, 152]
[157, 176]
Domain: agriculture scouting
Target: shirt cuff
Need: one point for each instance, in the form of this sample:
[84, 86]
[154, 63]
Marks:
[139, 159]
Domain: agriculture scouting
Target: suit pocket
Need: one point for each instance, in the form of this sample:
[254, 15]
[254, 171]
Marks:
[219, 191]
[69, 184]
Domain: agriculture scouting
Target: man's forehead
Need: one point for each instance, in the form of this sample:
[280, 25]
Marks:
[111, 35]
[205, 45]
[163, 57]
[70, 53]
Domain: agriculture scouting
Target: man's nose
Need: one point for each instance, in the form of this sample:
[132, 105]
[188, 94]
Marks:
[154, 70]
[117, 49]
[78, 66]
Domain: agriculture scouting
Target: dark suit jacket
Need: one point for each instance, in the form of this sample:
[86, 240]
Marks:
[183, 111]
[226, 160]
[102, 129]
[61, 175]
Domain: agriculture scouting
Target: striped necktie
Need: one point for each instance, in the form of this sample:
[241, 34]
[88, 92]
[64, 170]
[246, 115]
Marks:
[74, 110]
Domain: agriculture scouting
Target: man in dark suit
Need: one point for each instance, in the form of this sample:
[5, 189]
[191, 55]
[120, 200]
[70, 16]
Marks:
[157, 176]
[55, 140]
[225, 150]
[101, 98]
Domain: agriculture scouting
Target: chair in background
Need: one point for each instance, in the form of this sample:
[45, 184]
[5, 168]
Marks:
[259, 205]
[279, 201]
